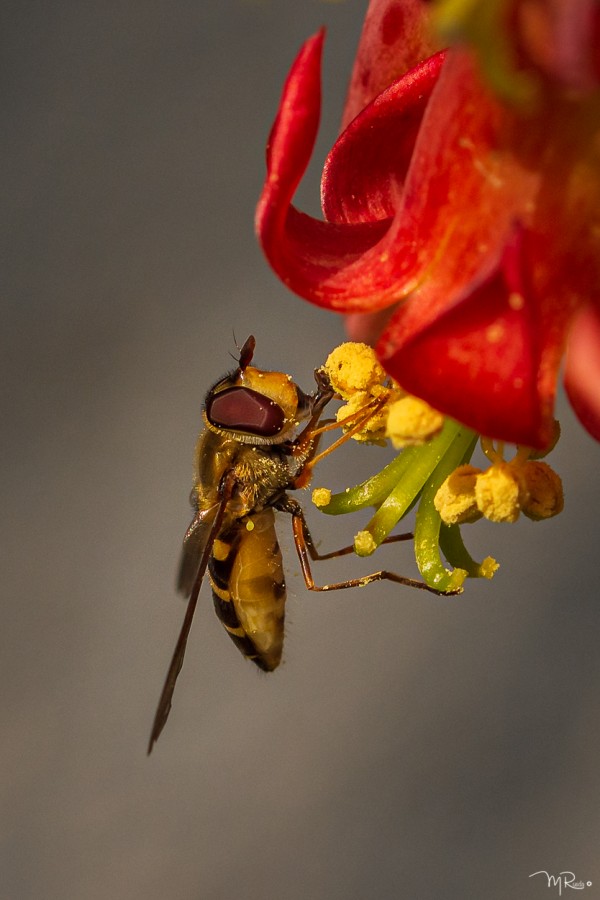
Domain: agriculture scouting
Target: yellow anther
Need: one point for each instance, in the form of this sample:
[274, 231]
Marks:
[412, 421]
[321, 496]
[364, 543]
[497, 493]
[455, 500]
[353, 367]
[488, 567]
[542, 490]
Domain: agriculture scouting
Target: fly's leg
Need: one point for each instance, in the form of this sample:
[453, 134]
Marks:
[304, 448]
[345, 551]
[306, 551]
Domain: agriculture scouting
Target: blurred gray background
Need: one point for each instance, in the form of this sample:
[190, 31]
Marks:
[409, 746]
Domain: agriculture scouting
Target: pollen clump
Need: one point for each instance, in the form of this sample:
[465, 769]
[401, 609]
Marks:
[488, 567]
[220, 550]
[364, 543]
[455, 500]
[498, 493]
[542, 490]
[411, 421]
[321, 497]
[353, 367]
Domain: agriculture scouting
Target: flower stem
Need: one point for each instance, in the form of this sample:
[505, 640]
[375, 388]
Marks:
[428, 521]
[375, 489]
[422, 464]
[453, 548]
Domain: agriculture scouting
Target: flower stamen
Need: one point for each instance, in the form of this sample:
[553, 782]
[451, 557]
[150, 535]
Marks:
[433, 472]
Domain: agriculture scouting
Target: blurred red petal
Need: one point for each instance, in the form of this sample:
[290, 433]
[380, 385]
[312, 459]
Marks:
[582, 373]
[366, 327]
[562, 38]
[396, 36]
[478, 360]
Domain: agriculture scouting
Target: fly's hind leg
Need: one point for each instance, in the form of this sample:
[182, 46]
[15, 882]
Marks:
[306, 551]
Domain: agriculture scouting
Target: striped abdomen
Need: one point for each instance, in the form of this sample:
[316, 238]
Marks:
[246, 574]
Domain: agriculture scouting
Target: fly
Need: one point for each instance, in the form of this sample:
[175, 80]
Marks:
[248, 456]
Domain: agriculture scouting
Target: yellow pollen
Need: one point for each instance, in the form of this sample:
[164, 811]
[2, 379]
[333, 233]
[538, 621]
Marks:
[321, 496]
[412, 421]
[497, 493]
[543, 490]
[455, 500]
[220, 550]
[249, 525]
[364, 543]
[488, 567]
[353, 367]
[524, 484]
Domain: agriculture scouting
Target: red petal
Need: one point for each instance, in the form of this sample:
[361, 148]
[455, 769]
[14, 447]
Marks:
[479, 360]
[582, 375]
[562, 38]
[366, 327]
[396, 35]
[366, 168]
[363, 265]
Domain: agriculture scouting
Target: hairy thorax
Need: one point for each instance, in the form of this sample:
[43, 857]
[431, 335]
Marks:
[260, 474]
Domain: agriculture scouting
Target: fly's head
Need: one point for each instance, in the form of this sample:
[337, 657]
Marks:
[254, 406]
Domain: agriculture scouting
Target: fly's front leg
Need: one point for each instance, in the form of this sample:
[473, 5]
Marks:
[304, 447]
[306, 551]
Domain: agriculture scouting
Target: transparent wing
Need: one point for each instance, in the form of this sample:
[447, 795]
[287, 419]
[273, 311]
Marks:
[194, 544]
[198, 543]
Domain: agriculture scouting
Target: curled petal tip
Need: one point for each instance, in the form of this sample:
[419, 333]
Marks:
[350, 262]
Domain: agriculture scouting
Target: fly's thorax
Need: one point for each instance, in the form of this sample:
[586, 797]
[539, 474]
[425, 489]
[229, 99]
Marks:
[261, 473]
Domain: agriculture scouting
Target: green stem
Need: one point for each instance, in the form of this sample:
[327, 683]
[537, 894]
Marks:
[428, 521]
[403, 494]
[453, 548]
[375, 489]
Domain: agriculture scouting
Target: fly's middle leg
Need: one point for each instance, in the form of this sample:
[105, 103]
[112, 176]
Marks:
[307, 551]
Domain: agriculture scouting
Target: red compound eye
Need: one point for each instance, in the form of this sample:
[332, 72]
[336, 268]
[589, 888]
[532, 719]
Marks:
[242, 409]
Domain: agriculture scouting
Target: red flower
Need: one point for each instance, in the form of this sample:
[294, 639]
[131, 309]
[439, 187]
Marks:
[461, 230]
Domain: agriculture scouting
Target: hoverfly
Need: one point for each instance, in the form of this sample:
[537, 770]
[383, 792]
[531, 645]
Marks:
[246, 459]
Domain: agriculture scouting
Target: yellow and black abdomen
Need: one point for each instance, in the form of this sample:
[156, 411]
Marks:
[246, 575]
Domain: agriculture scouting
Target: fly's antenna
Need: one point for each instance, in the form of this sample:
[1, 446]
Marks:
[247, 352]
[244, 358]
[237, 346]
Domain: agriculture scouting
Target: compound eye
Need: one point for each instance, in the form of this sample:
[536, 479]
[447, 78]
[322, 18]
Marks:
[242, 409]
